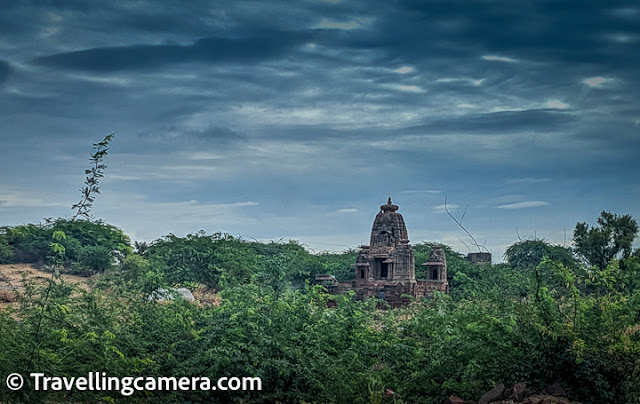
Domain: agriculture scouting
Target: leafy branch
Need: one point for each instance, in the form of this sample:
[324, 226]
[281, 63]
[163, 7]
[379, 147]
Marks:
[91, 188]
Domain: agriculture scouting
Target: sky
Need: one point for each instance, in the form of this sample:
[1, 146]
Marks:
[279, 120]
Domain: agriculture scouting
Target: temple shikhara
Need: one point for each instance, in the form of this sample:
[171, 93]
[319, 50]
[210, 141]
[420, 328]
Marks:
[385, 269]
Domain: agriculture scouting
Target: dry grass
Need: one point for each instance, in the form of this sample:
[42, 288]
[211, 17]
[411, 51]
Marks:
[12, 277]
[206, 295]
[8, 296]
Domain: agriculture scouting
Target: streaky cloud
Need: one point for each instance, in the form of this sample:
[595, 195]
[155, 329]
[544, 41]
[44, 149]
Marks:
[443, 208]
[526, 180]
[524, 205]
[494, 58]
[262, 46]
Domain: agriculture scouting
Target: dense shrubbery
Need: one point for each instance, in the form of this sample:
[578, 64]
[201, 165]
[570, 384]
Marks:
[89, 245]
[221, 260]
[542, 317]
[6, 252]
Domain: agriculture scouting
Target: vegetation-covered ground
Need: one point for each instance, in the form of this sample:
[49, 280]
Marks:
[549, 314]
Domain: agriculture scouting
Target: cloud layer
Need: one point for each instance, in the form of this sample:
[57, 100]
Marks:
[317, 111]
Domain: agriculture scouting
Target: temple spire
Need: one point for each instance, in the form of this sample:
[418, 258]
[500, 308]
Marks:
[389, 206]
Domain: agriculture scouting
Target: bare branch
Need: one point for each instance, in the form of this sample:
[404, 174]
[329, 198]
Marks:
[459, 223]
[464, 213]
[465, 244]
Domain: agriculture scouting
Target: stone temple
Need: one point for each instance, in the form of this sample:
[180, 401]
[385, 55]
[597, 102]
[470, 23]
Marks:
[385, 269]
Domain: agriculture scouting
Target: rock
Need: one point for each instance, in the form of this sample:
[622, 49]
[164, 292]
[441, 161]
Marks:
[517, 392]
[456, 400]
[528, 392]
[162, 294]
[555, 390]
[186, 294]
[494, 394]
[544, 398]
[555, 400]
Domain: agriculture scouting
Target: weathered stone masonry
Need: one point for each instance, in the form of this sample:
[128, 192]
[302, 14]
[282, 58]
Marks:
[385, 268]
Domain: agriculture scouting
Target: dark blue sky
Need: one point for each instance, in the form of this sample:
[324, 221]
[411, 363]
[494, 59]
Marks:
[296, 120]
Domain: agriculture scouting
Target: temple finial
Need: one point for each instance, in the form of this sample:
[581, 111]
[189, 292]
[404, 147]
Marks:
[389, 207]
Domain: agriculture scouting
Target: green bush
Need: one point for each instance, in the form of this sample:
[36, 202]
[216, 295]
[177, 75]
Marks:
[96, 258]
[6, 252]
[211, 260]
[31, 243]
[221, 259]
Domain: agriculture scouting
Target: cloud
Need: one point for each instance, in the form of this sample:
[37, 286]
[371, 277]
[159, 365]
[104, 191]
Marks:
[196, 131]
[556, 104]
[526, 180]
[403, 70]
[421, 191]
[468, 80]
[495, 122]
[623, 38]
[504, 199]
[262, 46]
[450, 206]
[250, 103]
[157, 218]
[495, 58]
[356, 23]
[405, 88]
[347, 210]
[596, 82]
[524, 205]
[201, 155]
[24, 198]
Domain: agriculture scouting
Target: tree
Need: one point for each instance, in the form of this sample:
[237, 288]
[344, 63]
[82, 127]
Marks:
[91, 188]
[528, 254]
[612, 238]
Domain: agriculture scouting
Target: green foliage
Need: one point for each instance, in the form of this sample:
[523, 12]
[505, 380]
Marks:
[528, 254]
[220, 259]
[339, 265]
[29, 242]
[302, 265]
[96, 258]
[540, 318]
[612, 238]
[77, 242]
[211, 260]
[6, 251]
[92, 179]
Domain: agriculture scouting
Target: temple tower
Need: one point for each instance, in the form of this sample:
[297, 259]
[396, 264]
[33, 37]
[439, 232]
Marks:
[385, 269]
[389, 257]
